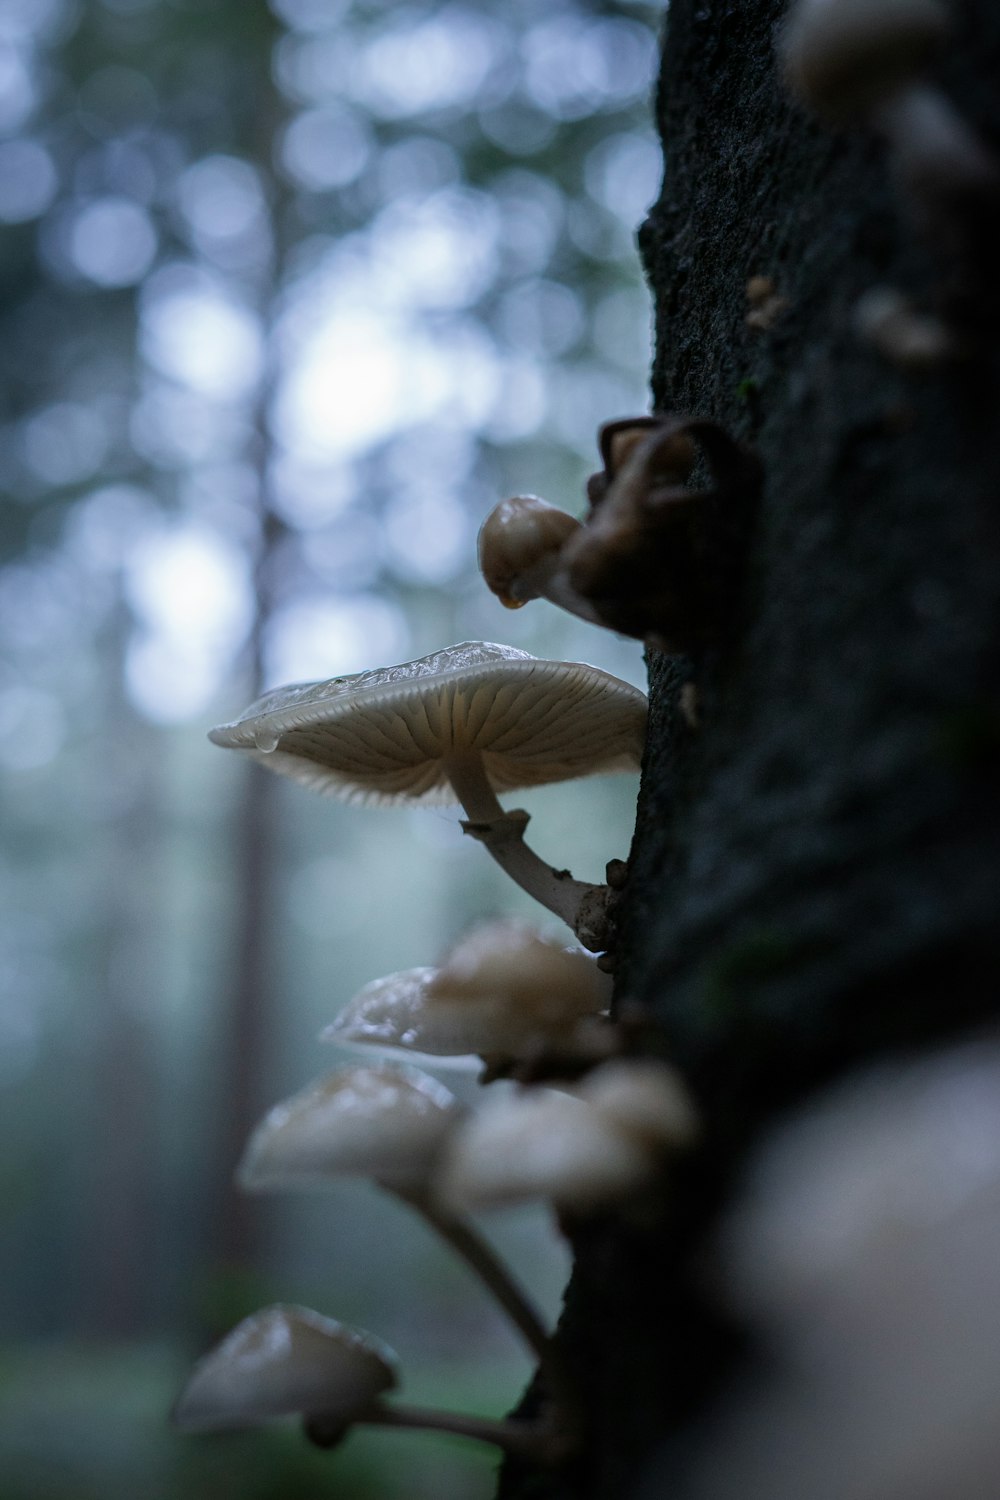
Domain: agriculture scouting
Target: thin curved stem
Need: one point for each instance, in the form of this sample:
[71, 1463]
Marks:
[580, 904]
[484, 1262]
[524, 1439]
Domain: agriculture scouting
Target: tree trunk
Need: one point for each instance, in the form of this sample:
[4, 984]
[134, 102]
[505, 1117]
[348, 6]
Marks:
[814, 876]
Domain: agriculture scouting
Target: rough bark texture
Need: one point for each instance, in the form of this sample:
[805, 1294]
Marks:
[815, 870]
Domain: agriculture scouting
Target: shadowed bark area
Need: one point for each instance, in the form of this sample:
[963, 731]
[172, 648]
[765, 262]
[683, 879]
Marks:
[815, 869]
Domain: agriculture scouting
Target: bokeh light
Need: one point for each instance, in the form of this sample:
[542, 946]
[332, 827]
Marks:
[292, 296]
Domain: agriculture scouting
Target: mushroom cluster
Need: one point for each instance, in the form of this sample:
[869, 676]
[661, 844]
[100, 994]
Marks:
[655, 558]
[585, 1149]
[581, 1126]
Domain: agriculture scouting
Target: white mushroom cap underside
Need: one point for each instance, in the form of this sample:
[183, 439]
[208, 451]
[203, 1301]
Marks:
[381, 736]
[282, 1361]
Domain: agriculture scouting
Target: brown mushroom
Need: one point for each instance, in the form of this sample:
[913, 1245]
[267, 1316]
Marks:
[520, 555]
[656, 559]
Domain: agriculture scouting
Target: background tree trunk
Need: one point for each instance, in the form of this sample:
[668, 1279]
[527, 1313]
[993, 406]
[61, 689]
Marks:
[815, 869]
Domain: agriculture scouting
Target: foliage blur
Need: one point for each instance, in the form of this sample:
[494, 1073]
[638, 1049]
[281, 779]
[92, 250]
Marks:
[289, 298]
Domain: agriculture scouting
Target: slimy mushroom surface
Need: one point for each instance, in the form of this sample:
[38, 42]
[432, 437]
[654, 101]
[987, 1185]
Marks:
[583, 1149]
[459, 726]
[383, 1122]
[395, 1014]
[396, 734]
[503, 991]
[285, 1361]
[520, 555]
[389, 1124]
[543, 1144]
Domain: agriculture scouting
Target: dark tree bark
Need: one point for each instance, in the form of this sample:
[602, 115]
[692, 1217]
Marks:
[815, 869]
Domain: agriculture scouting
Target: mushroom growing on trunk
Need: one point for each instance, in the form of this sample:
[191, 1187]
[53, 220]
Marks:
[286, 1361]
[503, 993]
[390, 1124]
[586, 1149]
[459, 726]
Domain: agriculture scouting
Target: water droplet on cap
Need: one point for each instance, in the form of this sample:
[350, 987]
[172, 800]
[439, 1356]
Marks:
[266, 740]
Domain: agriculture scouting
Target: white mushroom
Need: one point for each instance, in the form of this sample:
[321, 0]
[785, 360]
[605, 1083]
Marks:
[285, 1361]
[546, 1144]
[389, 1124]
[520, 555]
[524, 971]
[290, 1361]
[646, 1099]
[458, 726]
[395, 1014]
[503, 992]
[582, 1149]
[384, 1122]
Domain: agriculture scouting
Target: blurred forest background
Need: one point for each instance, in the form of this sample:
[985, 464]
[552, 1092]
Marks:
[290, 297]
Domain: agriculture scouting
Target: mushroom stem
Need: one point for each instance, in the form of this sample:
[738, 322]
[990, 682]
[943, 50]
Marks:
[581, 906]
[483, 1261]
[552, 583]
[532, 1440]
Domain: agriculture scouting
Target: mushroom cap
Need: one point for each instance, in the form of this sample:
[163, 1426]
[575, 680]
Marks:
[501, 991]
[536, 979]
[646, 1098]
[844, 57]
[384, 1122]
[583, 1148]
[545, 1143]
[285, 1361]
[395, 1013]
[518, 544]
[381, 736]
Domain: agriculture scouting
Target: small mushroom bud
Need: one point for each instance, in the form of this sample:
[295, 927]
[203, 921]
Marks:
[844, 57]
[765, 302]
[520, 545]
[285, 1361]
